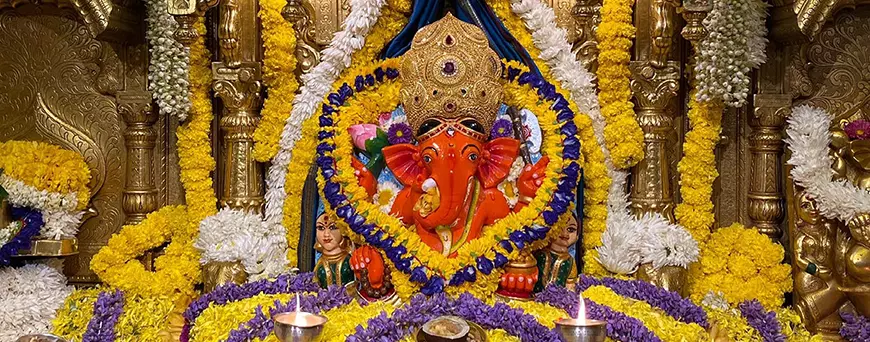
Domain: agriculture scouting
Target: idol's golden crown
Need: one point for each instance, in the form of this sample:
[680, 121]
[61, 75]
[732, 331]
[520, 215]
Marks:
[451, 73]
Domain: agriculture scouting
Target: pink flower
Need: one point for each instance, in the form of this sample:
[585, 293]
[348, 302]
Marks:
[384, 118]
[362, 133]
[858, 129]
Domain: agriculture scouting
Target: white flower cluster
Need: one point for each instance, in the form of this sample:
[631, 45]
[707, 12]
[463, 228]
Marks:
[386, 196]
[652, 239]
[734, 45]
[808, 139]
[622, 227]
[29, 297]
[233, 235]
[715, 301]
[58, 210]
[9, 232]
[170, 60]
[316, 84]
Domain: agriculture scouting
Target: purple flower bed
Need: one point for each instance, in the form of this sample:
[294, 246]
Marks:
[855, 328]
[764, 322]
[285, 283]
[32, 223]
[670, 302]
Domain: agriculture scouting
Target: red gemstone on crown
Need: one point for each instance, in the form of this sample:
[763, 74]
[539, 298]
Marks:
[448, 40]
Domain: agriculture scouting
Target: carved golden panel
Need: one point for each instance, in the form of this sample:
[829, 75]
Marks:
[55, 80]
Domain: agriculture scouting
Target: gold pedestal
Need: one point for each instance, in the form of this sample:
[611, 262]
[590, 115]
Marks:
[51, 248]
[671, 278]
[219, 273]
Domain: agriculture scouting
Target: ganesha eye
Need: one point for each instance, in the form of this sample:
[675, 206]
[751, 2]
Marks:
[427, 159]
[472, 156]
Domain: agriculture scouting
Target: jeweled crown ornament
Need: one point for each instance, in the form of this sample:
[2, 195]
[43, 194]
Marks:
[450, 74]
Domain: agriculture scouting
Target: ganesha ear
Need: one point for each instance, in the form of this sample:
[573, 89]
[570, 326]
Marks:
[500, 155]
[401, 160]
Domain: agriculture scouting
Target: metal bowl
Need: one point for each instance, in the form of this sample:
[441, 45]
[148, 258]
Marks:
[298, 326]
[590, 330]
[475, 334]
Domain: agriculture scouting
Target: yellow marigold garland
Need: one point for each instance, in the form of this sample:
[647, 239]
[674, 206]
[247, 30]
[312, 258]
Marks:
[194, 146]
[47, 167]
[742, 264]
[216, 322]
[178, 269]
[279, 76]
[663, 325]
[622, 133]
[697, 168]
[388, 25]
[731, 326]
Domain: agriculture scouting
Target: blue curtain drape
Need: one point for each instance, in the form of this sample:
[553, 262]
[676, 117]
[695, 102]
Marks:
[426, 12]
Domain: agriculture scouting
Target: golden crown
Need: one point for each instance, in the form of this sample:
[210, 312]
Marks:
[450, 73]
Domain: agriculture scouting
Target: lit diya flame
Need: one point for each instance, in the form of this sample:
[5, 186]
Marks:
[581, 310]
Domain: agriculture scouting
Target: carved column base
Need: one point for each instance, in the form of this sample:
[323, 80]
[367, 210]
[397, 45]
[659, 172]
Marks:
[766, 146]
[219, 273]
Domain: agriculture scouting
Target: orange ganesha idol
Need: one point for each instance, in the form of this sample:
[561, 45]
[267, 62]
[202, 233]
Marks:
[451, 95]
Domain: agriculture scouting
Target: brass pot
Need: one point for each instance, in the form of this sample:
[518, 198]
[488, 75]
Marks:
[219, 273]
[671, 278]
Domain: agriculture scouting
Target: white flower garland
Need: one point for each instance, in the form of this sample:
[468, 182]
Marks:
[169, 63]
[665, 244]
[58, 210]
[734, 46]
[29, 297]
[316, 84]
[808, 139]
[233, 235]
[617, 252]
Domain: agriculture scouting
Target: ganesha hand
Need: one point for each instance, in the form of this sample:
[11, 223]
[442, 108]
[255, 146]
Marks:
[517, 285]
[366, 261]
[531, 179]
[364, 177]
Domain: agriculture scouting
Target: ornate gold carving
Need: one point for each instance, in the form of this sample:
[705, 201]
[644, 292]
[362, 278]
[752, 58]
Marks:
[95, 13]
[765, 146]
[140, 195]
[51, 93]
[664, 13]
[299, 13]
[219, 273]
[653, 88]
[185, 33]
[450, 72]
[239, 88]
[673, 278]
[817, 295]
[812, 14]
[5, 213]
[586, 19]
[228, 32]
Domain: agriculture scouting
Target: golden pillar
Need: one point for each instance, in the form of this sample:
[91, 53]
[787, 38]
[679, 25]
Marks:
[765, 206]
[301, 15]
[140, 194]
[587, 16]
[655, 81]
[237, 81]
[653, 88]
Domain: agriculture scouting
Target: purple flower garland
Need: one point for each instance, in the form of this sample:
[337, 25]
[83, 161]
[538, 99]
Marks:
[32, 223]
[399, 254]
[764, 322]
[620, 327]
[670, 302]
[285, 283]
[855, 328]
[422, 309]
[107, 311]
[261, 325]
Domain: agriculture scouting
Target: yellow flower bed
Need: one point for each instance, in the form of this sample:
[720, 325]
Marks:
[143, 319]
[742, 264]
[47, 167]
[663, 325]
